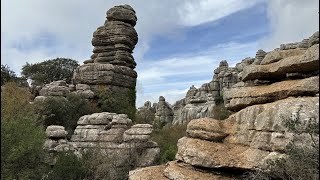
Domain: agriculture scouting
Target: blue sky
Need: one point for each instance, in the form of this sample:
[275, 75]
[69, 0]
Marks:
[180, 43]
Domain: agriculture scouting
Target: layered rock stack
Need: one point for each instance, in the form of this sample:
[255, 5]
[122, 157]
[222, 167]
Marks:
[62, 89]
[115, 135]
[257, 131]
[57, 142]
[110, 68]
[164, 113]
[146, 113]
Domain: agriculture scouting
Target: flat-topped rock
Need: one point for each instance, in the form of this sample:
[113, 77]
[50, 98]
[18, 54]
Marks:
[208, 129]
[182, 171]
[241, 97]
[197, 152]
[54, 131]
[148, 173]
[307, 62]
[275, 56]
[103, 118]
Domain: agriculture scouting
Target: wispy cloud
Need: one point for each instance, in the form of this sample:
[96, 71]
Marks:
[171, 77]
[197, 12]
[291, 21]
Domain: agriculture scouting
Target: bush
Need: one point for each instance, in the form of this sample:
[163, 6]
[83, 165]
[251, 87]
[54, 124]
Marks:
[22, 154]
[144, 116]
[220, 112]
[69, 166]
[302, 161]
[167, 139]
[120, 102]
[63, 111]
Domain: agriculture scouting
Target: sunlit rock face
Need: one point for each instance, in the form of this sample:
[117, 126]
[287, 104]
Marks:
[280, 88]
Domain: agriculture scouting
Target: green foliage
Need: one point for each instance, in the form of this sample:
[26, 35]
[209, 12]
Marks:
[7, 75]
[144, 116]
[302, 161]
[218, 100]
[220, 112]
[63, 111]
[50, 70]
[21, 139]
[167, 139]
[69, 166]
[120, 102]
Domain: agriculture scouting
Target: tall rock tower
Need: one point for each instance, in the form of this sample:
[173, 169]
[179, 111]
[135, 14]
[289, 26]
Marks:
[111, 67]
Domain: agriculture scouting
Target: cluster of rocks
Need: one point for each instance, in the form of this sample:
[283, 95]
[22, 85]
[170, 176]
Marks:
[164, 113]
[110, 68]
[57, 142]
[198, 103]
[113, 134]
[62, 89]
[256, 132]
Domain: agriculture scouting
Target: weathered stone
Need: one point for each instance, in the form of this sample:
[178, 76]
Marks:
[275, 56]
[182, 171]
[148, 173]
[150, 156]
[40, 98]
[262, 126]
[208, 129]
[259, 56]
[103, 118]
[82, 87]
[314, 39]
[56, 132]
[308, 62]
[196, 152]
[123, 13]
[56, 88]
[239, 98]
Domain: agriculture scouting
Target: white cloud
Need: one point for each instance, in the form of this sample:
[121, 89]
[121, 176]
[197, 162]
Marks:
[198, 12]
[291, 21]
[172, 77]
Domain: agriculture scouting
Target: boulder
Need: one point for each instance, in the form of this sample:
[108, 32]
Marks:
[307, 62]
[241, 97]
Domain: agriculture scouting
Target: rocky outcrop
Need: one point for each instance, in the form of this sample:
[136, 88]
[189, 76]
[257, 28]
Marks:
[164, 113]
[57, 142]
[110, 68]
[55, 88]
[199, 103]
[264, 102]
[115, 134]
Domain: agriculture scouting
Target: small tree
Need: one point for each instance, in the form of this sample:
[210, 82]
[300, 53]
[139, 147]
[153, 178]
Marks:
[22, 155]
[50, 70]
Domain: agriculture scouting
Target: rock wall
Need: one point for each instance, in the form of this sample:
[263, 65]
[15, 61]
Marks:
[268, 96]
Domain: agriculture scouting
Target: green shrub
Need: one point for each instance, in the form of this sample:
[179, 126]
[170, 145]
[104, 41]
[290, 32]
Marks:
[22, 154]
[167, 139]
[120, 102]
[144, 116]
[69, 166]
[63, 111]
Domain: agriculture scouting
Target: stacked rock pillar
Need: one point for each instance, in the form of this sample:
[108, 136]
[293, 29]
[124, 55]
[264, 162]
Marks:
[111, 67]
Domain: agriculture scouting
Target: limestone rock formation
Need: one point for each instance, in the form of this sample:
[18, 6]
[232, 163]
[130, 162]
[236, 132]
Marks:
[264, 101]
[199, 103]
[57, 142]
[55, 88]
[115, 134]
[164, 113]
[110, 68]
[259, 56]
